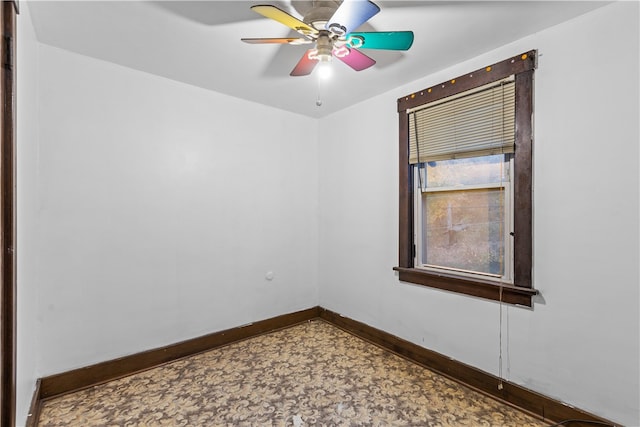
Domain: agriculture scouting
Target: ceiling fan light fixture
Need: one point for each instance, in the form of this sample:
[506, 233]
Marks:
[324, 57]
[324, 70]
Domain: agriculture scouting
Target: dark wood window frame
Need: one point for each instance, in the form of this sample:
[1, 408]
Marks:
[7, 215]
[521, 291]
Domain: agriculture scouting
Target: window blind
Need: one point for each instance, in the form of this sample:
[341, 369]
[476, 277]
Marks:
[474, 123]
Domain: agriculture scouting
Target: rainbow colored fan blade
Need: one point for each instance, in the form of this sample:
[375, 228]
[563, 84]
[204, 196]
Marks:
[283, 17]
[357, 60]
[305, 66]
[350, 15]
[391, 40]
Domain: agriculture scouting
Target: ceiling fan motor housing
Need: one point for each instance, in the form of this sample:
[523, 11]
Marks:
[324, 46]
[321, 12]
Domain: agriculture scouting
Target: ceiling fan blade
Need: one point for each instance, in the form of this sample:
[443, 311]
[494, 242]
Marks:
[265, 40]
[390, 40]
[305, 66]
[283, 17]
[357, 60]
[350, 15]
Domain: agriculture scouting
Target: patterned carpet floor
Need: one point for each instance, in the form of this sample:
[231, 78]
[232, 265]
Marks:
[312, 374]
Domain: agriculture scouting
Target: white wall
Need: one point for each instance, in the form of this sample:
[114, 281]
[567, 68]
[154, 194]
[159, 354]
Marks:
[26, 211]
[159, 207]
[162, 208]
[580, 344]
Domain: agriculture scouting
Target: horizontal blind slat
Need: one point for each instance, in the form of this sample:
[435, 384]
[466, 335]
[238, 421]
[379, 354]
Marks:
[481, 123]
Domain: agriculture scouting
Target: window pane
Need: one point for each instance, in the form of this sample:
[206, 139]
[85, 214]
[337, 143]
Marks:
[469, 171]
[464, 230]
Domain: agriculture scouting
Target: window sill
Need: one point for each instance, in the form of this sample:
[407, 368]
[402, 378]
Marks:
[483, 289]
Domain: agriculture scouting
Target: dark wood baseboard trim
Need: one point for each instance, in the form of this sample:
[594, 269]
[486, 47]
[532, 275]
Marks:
[77, 379]
[512, 394]
[34, 409]
[532, 402]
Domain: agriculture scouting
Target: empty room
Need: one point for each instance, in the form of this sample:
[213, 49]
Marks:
[301, 213]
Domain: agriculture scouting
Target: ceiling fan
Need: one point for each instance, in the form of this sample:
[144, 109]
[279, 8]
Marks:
[330, 25]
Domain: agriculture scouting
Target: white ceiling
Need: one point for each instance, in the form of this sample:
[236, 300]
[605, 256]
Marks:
[198, 42]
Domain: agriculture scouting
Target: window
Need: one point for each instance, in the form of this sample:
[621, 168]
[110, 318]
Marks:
[465, 183]
[463, 217]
